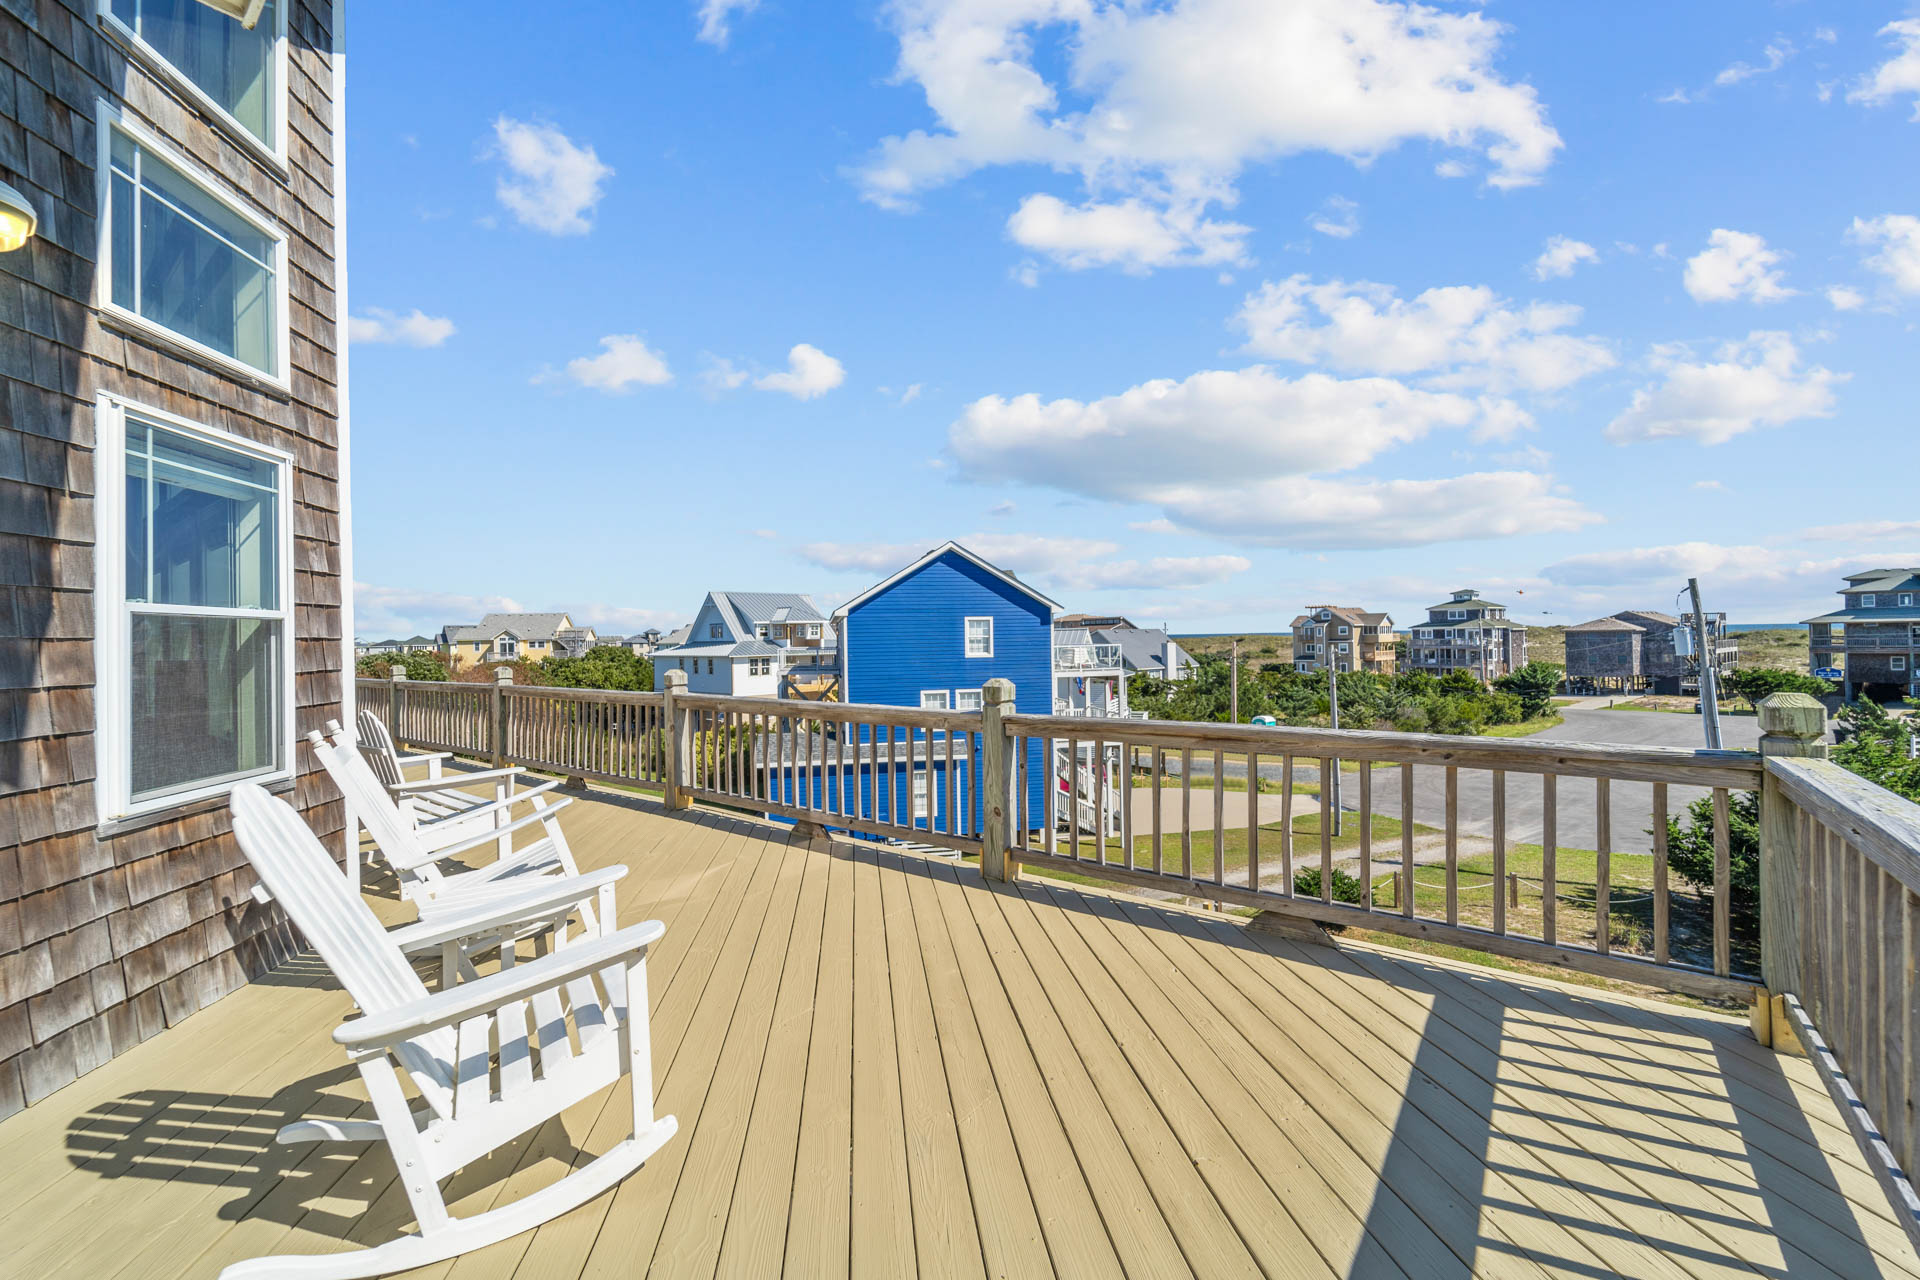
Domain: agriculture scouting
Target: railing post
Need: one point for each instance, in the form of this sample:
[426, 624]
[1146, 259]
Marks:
[1791, 724]
[679, 743]
[502, 677]
[996, 782]
[395, 697]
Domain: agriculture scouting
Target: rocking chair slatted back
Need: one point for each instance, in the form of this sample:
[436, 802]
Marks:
[399, 844]
[378, 750]
[303, 879]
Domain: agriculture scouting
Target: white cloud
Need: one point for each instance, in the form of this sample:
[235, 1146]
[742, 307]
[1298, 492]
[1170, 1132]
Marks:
[552, 183]
[716, 18]
[1759, 583]
[1237, 454]
[1463, 335]
[1708, 484]
[1005, 508]
[810, 373]
[1159, 524]
[1845, 299]
[1158, 109]
[381, 612]
[1160, 573]
[625, 361]
[1755, 382]
[1778, 50]
[1896, 237]
[1898, 74]
[1561, 256]
[1735, 265]
[415, 329]
[722, 374]
[1337, 216]
[1865, 531]
[908, 396]
[1130, 234]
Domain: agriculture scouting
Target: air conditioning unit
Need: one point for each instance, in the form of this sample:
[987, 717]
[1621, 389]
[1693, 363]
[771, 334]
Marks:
[245, 12]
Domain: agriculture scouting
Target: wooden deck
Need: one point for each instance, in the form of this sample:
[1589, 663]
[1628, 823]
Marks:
[881, 1067]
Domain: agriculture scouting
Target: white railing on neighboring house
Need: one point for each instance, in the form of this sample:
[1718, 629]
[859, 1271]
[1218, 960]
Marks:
[1086, 657]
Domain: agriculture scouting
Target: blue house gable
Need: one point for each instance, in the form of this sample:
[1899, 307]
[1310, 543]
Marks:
[906, 642]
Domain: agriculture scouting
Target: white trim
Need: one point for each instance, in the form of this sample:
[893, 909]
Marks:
[966, 636]
[109, 118]
[113, 726]
[979, 697]
[271, 153]
[945, 703]
[929, 558]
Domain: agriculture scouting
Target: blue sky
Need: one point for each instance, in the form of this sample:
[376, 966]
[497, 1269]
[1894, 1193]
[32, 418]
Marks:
[1197, 310]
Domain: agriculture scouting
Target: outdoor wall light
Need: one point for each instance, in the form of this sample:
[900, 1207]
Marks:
[17, 219]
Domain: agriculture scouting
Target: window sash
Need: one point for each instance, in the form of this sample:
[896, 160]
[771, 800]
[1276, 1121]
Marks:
[262, 131]
[933, 700]
[979, 637]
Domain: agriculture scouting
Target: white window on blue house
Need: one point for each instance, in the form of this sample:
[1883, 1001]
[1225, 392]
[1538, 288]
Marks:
[232, 71]
[920, 795]
[933, 699]
[979, 637]
[193, 605]
[716, 631]
[967, 700]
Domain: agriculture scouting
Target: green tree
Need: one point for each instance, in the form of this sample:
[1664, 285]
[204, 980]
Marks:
[1534, 684]
[1755, 683]
[602, 667]
[418, 664]
[1346, 888]
[1879, 747]
[1690, 852]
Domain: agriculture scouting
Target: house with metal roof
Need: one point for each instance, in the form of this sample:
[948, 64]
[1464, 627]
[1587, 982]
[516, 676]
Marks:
[743, 643]
[1468, 633]
[1874, 637]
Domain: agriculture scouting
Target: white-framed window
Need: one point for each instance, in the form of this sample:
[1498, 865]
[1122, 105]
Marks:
[1898, 661]
[1906, 599]
[920, 794]
[193, 610]
[709, 666]
[183, 260]
[760, 631]
[507, 647]
[1341, 646]
[933, 699]
[1345, 631]
[813, 631]
[979, 637]
[1866, 599]
[236, 76]
[716, 631]
[1454, 615]
[968, 700]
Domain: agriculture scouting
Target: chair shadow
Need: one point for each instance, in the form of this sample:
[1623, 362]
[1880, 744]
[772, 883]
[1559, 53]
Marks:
[228, 1141]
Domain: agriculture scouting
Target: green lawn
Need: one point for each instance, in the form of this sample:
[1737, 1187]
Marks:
[1526, 728]
[1233, 843]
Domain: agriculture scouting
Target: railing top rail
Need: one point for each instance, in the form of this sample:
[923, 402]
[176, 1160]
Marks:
[1881, 825]
[911, 717]
[1735, 769]
[636, 697]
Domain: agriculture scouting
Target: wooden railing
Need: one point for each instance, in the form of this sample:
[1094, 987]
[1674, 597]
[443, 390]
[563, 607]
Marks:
[1403, 848]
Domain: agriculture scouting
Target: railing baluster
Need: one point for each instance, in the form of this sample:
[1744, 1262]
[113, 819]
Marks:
[1253, 820]
[1073, 797]
[1050, 797]
[1219, 817]
[1722, 888]
[1328, 781]
[1098, 759]
[1453, 844]
[1123, 787]
[1602, 865]
[1155, 781]
[1499, 851]
[1406, 838]
[1186, 813]
[1661, 904]
[1549, 857]
[1366, 834]
[1286, 825]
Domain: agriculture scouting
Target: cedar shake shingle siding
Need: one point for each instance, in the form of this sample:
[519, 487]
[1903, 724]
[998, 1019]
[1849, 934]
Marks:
[108, 935]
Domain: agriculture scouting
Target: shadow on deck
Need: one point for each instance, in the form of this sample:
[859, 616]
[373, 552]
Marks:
[883, 1065]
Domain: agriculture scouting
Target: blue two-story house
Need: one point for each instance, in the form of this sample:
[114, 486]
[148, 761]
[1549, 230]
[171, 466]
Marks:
[932, 635]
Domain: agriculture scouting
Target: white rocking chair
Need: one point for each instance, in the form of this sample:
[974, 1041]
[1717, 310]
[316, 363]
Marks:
[475, 1102]
[437, 801]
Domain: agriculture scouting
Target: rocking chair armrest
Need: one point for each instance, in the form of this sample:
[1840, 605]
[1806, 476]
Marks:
[452, 781]
[484, 995]
[424, 757]
[493, 834]
[428, 829]
[543, 897]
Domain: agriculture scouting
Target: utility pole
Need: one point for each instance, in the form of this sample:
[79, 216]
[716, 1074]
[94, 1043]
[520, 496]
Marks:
[1233, 686]
[1709, 682]
[1333, 707]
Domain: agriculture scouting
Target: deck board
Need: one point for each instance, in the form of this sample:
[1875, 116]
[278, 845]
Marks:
[883, 1066]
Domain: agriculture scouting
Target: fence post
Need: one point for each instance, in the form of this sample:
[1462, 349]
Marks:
[497, 735]
[679, 743]
[1791, 724]
[996, 783]
[396, 696]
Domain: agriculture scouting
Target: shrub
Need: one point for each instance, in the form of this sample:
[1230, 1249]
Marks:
[419, 664]
[1755, 683]
[1534, 685]
[1690, 851]
[1346, 888]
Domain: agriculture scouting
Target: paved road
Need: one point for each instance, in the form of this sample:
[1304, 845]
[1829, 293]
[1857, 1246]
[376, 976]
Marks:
[1632, 802]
